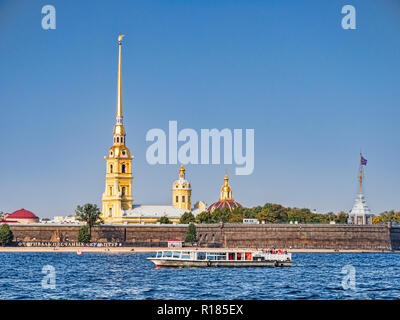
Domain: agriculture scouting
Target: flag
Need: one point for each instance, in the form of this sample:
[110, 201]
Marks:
[363, 161]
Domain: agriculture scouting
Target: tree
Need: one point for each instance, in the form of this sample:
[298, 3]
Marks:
[221, 215]
[236, 218]
[186, 218]
[341, 217]
[191, 235]
[89, 213]
[204, 217]
[164, 220]
[6, 235]
[84, 235]
[267, 215]
[376, 220]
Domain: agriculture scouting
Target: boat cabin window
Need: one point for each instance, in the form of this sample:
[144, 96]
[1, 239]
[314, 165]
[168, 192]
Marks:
[232, 256]
[159, 254]
[167, 254]
[201, 256]
[239, 256]
[248, 255]
[185, 255]
[176, 254]
[216, 255]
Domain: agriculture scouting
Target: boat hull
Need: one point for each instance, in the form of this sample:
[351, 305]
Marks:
[174, 263]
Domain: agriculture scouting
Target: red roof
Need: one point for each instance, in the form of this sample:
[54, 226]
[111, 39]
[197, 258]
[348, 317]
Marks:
[22, 214]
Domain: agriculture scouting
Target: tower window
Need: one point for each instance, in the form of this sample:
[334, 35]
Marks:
[117, 139]
[110, 212]
[111, 168]
[183, 199]
[176, 199]
[123, 191]
[110, 191]
[123, 168]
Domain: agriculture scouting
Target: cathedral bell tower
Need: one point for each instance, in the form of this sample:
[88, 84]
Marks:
[117, 196]
[182, 192]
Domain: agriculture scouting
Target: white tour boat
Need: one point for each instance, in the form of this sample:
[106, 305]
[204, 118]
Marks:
[221, 258]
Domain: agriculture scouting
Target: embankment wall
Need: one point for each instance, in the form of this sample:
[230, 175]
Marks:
[299, 236]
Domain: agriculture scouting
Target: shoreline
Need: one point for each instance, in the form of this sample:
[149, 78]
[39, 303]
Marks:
[154, 249]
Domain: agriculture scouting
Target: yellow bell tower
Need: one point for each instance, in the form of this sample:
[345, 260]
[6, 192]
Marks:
[182, 192]
[117, 196]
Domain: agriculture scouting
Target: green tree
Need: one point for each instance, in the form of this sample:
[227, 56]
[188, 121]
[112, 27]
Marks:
[89, 213]
[186, 218]
[6, 235]
[84, 234]
[204, 217]
[191, 235]
[236, 218]
[268, 215]
[341, 217]
[164, 220]
[221, 215]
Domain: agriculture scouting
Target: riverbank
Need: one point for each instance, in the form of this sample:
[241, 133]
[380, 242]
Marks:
[154, 249]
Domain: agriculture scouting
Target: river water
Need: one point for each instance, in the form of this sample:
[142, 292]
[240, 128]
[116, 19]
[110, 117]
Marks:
[131, 276]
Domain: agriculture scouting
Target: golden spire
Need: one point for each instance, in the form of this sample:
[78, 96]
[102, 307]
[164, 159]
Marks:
[182, 172]
[226, 191]
[119, 93]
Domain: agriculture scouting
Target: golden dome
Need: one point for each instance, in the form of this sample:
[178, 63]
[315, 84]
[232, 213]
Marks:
[181, 183]
[226, 189]
[225, 199]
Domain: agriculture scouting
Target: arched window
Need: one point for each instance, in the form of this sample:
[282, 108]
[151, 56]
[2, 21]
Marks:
[123, 191]
[183, 199]
[123, 168]
[117, 139]
[176, 199]
[111, 168]
[110, 212]
[110, 191]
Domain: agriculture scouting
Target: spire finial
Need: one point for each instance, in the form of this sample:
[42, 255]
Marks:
[182, 172]
[119, 90]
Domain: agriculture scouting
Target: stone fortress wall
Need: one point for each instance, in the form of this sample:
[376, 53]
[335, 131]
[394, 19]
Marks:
[299, 236]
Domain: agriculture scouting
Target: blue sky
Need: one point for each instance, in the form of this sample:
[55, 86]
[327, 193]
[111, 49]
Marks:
[315, 95]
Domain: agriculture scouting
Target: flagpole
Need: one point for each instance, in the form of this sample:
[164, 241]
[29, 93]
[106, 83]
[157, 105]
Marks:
[360, 174]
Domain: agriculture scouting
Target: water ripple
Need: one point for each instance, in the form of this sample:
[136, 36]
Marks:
[131, 276]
